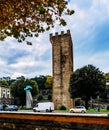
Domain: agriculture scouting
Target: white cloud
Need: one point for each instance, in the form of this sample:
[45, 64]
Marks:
[16, 74]
[83, 27]
[20, 59]
[99, 60]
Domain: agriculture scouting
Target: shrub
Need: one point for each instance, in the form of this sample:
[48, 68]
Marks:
[108, 107]
[40, 97]
[62, 107]
[49, 97]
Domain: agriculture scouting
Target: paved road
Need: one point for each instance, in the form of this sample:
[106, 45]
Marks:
[66, 113]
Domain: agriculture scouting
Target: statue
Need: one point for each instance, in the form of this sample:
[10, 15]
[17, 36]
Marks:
[29, 99]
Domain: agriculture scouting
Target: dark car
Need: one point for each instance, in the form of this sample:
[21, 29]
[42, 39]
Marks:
[11, 108]
[1, 107]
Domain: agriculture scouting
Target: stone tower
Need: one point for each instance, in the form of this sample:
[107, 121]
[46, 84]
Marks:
[62, 64]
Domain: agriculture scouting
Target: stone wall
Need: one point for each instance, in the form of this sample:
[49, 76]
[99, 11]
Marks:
[29, 121]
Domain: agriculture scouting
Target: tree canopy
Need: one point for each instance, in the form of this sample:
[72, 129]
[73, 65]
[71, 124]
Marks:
[48, 83]
[4, 83]
[41, 80]
[87, 82]
[107, 76]
[28, 18]
[17, 90]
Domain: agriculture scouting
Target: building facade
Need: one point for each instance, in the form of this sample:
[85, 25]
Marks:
[5, 95]
[62, 64]
[4, 92]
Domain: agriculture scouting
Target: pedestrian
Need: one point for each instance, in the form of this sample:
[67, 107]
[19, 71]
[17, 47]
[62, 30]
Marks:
[99, 108]
[4, 106]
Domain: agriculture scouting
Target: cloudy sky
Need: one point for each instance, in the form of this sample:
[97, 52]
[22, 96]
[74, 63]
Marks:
[89, 27]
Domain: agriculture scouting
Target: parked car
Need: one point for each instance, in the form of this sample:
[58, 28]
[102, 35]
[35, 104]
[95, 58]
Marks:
[1, 107]
[78, 109]
[11, 108]
[44, 106]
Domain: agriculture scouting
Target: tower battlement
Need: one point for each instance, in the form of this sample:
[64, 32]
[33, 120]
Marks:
[62, 33]
[56, 36]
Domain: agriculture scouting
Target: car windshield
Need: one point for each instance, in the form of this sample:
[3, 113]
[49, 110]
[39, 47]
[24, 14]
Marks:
[1, 106]
[79, 107]
[12, 106]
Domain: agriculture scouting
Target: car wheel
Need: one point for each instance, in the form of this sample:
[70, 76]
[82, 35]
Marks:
[82, 111]
[71, 111]
[47, 110]
[34, 110]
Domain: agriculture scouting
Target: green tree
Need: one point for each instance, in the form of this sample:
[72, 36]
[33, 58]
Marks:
[105, 95]
[41, 80]
[87, 82]
[28, 18]
[48, 83]
[17, 90]
[40, 97]
[107, 77]
[4, 83]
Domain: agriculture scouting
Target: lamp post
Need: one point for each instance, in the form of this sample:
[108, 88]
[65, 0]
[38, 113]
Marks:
[98, 103]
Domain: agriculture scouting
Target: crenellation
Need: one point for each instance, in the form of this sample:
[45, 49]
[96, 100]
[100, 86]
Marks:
[56, 34]
[62, 32]
[68, 32]
[51, 35]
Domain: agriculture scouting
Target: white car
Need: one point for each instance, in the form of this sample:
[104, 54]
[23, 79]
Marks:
[78, 109]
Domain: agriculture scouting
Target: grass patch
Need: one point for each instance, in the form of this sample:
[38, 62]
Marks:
[88, 111]
[62, 110]
[95, 110]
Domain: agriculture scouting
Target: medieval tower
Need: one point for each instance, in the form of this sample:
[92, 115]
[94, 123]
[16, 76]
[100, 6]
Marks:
[62, 64]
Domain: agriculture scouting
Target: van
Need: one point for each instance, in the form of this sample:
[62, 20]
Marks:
[44, 107]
